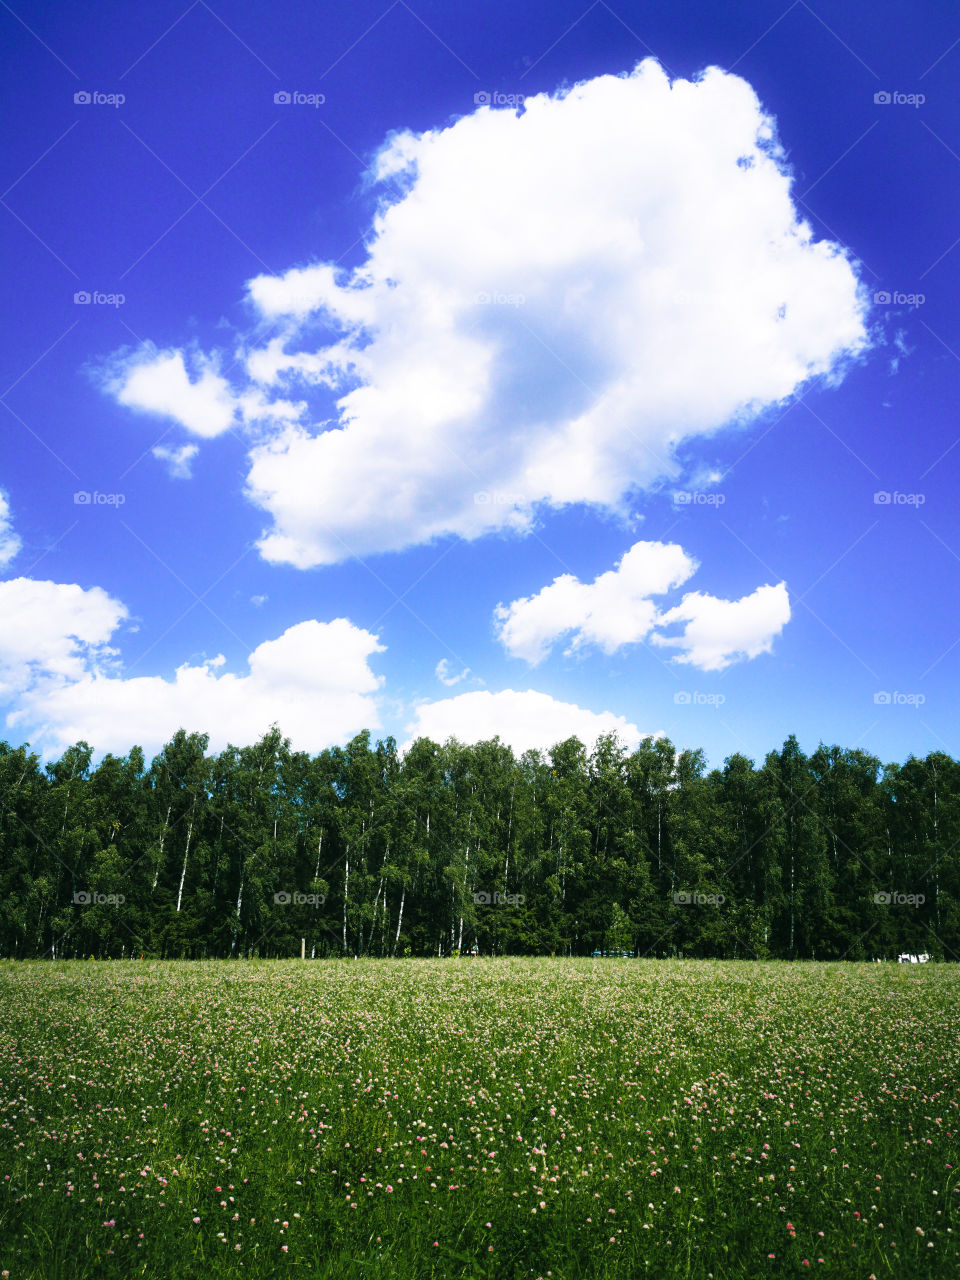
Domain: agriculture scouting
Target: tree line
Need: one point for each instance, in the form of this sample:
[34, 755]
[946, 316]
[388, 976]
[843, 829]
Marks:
[362, 851]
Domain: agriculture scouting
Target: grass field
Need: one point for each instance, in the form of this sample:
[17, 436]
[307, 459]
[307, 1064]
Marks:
[495, 1118]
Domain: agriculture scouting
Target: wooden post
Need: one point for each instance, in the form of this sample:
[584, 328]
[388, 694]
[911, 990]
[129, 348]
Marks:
[303, 948]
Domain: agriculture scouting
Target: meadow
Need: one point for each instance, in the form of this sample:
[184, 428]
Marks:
[565, 1118]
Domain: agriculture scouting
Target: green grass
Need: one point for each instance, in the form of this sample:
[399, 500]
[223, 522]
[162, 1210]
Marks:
[478, 1118]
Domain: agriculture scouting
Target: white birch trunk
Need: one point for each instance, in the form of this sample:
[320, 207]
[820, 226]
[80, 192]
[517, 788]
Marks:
[396, 940]
[186, 855]
[163, 836]
[346, 894]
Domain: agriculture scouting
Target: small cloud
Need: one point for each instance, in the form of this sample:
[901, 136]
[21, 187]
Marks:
[705, 478]
[614, 610]
[719, 632]
[257, 601]
[617, 609]
[184, 386]
[442, 672]
[900, 342]
[179, 461]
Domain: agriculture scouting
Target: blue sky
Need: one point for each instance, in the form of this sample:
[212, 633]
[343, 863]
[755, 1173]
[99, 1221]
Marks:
[491, 296]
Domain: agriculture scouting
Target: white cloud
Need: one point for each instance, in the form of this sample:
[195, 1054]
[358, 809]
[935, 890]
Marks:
[522, 719]
[187, 387]
[53, 630]
[301, 291]
[719, 632]
[550, 303]
[444, 675]
[179, 460]
[614, 610]
[158, 382]
[64, 682]
[10, 542]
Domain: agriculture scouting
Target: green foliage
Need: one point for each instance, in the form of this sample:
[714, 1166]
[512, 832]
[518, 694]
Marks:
[361, 852]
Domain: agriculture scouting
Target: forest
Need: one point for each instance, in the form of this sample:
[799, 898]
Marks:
[440, 850]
